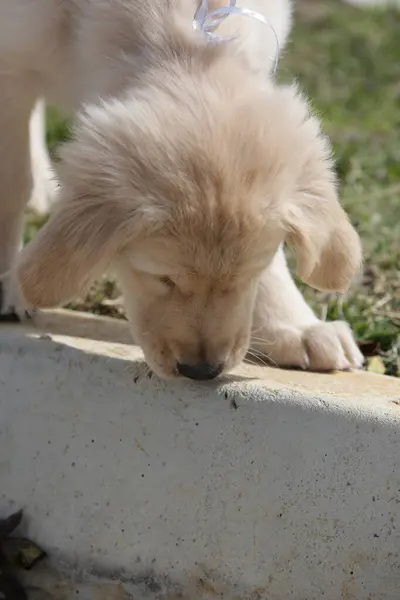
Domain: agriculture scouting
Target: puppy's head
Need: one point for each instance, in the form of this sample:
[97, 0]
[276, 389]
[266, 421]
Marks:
[188, 190]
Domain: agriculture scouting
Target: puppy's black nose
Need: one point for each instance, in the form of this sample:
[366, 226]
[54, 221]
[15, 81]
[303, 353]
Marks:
[201, 371]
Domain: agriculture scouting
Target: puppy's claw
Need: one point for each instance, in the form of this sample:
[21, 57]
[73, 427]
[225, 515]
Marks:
[12, 308]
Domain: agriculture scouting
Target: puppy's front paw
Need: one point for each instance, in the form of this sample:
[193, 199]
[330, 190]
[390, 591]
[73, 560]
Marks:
[331, 346]
[13, 309]
[318, 347]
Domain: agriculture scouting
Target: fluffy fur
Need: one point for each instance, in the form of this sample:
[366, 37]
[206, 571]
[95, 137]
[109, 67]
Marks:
[189, 168]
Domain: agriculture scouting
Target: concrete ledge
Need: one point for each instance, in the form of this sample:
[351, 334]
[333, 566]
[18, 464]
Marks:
[266, 485]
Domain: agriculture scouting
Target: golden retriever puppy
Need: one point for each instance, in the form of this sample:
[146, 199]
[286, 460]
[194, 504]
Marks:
[188, 169]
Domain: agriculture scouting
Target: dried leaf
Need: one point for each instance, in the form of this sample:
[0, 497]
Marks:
[376, 365]
[8, 525]
[20, 552]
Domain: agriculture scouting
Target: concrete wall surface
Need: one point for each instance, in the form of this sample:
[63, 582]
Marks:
[267, 484]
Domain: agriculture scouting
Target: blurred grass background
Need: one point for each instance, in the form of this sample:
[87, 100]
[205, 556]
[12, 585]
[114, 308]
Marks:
[348, 62]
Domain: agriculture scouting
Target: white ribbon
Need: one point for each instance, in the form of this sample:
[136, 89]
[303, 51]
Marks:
[206, 21]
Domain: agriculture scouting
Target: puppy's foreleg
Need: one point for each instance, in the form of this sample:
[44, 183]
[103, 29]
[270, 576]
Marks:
[44, 179]
[16, 181]
[287, 332]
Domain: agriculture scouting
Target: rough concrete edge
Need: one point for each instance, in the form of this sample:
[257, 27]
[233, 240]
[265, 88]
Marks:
[247, 382]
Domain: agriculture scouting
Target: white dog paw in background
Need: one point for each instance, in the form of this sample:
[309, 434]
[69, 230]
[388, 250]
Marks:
[45, 183]
[42, 191]
[13, 308]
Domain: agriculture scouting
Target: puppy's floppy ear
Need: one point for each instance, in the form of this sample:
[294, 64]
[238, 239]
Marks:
[328, 248]
[98, 214]
[78, 241]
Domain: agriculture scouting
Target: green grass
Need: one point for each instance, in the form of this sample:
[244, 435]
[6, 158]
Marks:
[348, 62]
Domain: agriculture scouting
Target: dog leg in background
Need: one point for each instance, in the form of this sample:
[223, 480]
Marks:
[288, 333]
[44, 179]
[16, 183]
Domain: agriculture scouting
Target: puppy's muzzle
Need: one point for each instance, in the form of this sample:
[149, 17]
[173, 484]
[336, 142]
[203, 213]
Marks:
[201, 371]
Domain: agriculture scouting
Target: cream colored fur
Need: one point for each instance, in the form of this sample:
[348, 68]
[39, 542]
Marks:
[188, 170]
